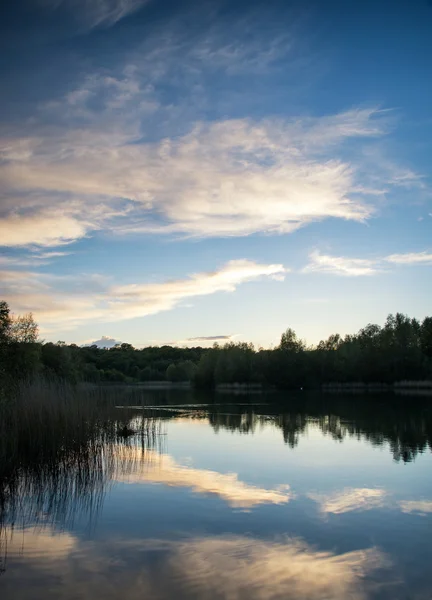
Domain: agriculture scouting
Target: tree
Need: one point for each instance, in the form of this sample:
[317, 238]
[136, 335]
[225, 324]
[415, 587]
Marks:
[426, 337]
[24, 329]
[5, 322]
[332, 343]
[290, 342]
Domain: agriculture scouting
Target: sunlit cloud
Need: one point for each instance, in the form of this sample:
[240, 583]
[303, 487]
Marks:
[228, 178]
[340, 265]
[421, 507]
[68, 301]
[227, 486]
[350, 499]
[411, 258]
[357, 267]
[46, 228]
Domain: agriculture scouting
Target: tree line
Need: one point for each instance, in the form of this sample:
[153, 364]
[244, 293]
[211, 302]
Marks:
[401, 349]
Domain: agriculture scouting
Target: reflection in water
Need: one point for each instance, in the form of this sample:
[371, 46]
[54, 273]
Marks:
[406, 429]
[72, 482]
[40, 544]
[41, 500]
[164, 469]
[350, 499]
[226, 567]
[421, 507]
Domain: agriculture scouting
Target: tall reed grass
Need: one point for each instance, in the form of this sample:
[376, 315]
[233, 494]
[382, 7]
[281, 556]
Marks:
[60, 449]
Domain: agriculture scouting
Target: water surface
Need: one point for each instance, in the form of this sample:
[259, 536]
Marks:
[236, 497]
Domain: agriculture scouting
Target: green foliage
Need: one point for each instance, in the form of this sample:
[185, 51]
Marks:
[426, 337]
[400, 350]
[182, 371]
[290, 343]
[5, 322]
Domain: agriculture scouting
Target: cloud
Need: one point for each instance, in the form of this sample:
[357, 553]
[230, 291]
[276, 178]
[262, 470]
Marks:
[227, 486]
[32, 259]
[46, 228]
[211, 338]
[104, 342]
[227, 178]
[201, 340]
[94, 13]
[137, 300]
[421, 507]
[410, 258]
[340, 265]
[68, 301]
[355, 267]
[350, 499]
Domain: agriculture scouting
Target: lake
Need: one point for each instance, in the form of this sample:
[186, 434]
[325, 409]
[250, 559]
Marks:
[222, 496]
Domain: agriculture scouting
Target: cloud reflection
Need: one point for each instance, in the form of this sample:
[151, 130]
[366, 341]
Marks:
[420, 507]
[238, 567]
[164, 469]
[230, 567]
[38, 544]
[350, 499]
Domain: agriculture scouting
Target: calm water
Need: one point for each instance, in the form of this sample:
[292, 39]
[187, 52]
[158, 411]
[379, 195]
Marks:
[232, 497]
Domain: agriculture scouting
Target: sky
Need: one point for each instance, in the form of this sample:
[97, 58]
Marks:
[187, 172]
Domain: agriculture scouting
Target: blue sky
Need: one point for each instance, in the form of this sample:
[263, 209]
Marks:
[177, 170]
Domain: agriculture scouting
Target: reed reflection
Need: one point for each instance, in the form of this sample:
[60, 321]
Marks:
[69, 481]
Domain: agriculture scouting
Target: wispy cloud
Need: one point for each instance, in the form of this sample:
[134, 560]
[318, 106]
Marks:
[340, 265]
[137, 300]
[229, 178]
[211, 338]
[357, 267]
[67, 301]
[410, 258]
[98, 12]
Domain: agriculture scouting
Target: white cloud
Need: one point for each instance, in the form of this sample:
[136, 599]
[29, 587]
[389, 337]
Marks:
[340, 265]
[410, 258]
[137, 300]
[99, 12]
[45, 228]
[350, 499]
[229, 178]
[104, 342]
[67, 301]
